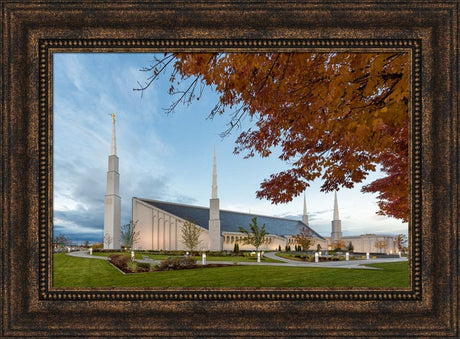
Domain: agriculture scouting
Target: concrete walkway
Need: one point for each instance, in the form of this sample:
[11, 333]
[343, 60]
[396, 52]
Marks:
[359, 264]
[335, 264]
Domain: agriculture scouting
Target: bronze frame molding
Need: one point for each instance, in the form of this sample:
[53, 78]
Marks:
[33, 31]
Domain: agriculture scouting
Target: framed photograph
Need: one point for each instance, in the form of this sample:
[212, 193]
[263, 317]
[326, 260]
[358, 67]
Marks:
[358, 96]
[151, 152]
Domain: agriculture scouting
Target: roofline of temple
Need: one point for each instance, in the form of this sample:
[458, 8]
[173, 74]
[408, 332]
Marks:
[221, 210]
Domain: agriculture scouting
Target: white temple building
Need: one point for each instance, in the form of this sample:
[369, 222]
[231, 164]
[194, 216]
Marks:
[159, 223]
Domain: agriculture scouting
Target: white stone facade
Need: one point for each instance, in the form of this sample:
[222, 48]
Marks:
[366, 243]
[160, 230]
[272, 242]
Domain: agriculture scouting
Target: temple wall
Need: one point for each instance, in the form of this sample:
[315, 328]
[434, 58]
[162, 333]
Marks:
[272, 242]
[366, 243]
[160, 230]
[290, 240]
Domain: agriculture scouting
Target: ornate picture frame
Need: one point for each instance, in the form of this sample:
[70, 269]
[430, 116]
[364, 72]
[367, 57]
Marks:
[33, 30]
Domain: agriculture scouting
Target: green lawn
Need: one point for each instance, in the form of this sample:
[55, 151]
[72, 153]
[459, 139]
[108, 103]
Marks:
[138, 255]
[80, 272]
[292, 256]
[220, 258]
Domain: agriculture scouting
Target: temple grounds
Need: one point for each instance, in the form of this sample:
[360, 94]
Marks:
[69, 271]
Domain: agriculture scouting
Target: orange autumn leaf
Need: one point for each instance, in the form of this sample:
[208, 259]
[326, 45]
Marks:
[335, 116]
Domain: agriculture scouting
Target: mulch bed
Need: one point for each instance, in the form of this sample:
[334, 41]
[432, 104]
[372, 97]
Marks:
[121, 264]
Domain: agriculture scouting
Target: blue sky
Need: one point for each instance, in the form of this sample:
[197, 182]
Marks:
[164, 157]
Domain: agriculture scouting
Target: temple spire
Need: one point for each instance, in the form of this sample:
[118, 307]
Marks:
[336, 233]
[336, 207]
[305, 216]
[113, 146]
[112, 200]
[215, 237]
[214, 177]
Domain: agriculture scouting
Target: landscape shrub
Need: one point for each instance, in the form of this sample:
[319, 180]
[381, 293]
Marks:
[143, 267]
[143, 264]
[120, 260]
[131, 266]
[97, 245]
[217, 253]
[177, 263]
[102, 250]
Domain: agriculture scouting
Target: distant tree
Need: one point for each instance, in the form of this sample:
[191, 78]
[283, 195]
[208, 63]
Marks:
[61, 240]
[338, 245]
[191, 235]
[350, 247]
[279, 248]
[381, 245]
[305, 238]
[255, 236]
[129, 236]
[86, 244]
[107, 240]
[97, 245]
[236, 248]
[318, 247]
[401, 242]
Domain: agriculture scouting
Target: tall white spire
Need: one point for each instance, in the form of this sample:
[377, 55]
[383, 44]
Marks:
[336, 207]
[215, 237]
[214, 177]
[336, 223]
[113, 146]
[305, 216]
[112, 201]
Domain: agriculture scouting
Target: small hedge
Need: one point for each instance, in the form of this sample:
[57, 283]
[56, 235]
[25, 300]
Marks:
[143, 265]
[120, 260]
[124, 263]
[177, 263]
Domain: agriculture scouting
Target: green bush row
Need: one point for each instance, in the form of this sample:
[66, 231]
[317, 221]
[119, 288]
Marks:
[177, 263]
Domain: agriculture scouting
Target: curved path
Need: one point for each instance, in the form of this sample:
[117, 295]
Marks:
[335, 264]
[360, 264]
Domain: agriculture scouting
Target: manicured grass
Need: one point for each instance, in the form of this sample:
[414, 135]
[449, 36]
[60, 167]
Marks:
[289, 256]
[139, 255]
[219, 258]
[81, 272]
[292, 256]
[106, 254]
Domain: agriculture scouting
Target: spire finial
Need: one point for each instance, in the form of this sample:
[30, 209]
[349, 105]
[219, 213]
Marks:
[336, 207]
[214, 177]
[305, 216]
[113, 146]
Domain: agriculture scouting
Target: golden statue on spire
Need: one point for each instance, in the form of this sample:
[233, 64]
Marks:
[113, 117]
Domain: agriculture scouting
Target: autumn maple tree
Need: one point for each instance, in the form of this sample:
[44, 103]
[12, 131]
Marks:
[335, 116]
[305, 238]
